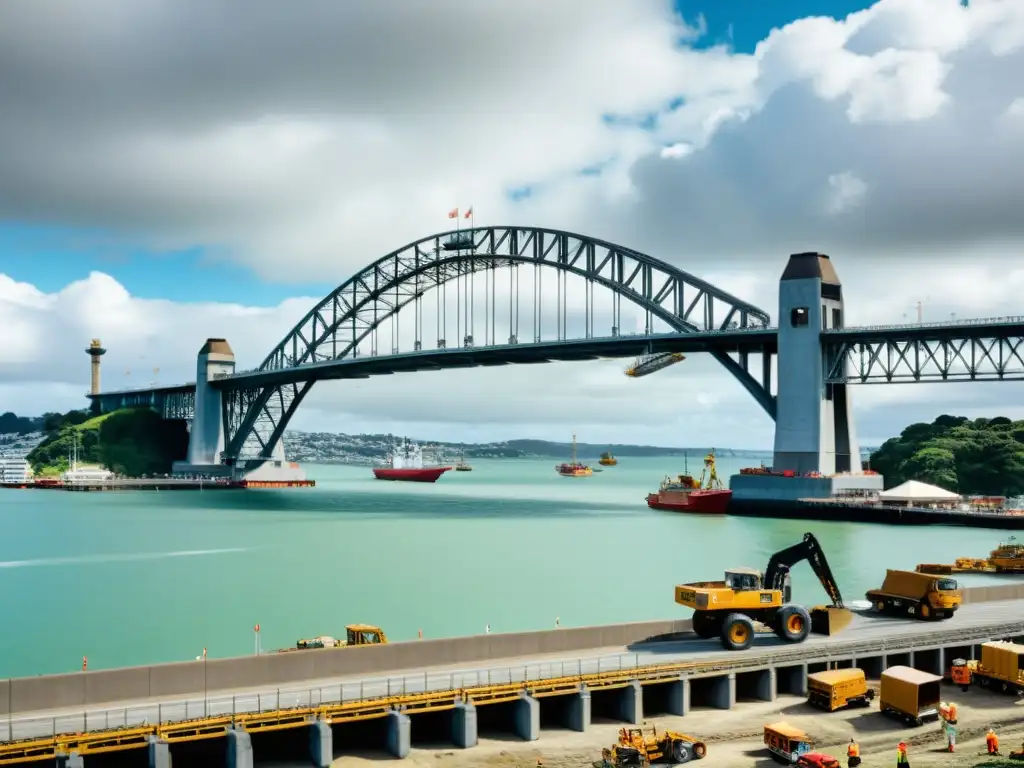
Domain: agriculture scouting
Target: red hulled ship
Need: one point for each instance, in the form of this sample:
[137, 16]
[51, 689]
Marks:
[406, 464]
[684, 494]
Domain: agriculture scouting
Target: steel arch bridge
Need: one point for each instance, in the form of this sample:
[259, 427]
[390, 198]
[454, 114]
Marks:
[255, 417]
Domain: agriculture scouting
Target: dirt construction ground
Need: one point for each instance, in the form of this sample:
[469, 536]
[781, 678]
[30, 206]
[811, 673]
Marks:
[734, 738]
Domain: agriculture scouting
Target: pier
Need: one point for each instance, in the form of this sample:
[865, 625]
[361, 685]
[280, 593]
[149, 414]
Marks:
[161, 484]
[321, 702]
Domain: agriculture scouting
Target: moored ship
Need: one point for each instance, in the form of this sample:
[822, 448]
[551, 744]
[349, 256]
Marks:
[461, 465]
[574, 468]
[685, 494]
[607, 460]
[406, 464]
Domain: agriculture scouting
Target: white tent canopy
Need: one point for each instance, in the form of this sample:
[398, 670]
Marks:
[913, 490]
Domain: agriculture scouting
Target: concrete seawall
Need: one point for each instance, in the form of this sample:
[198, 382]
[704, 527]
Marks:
[83, 689]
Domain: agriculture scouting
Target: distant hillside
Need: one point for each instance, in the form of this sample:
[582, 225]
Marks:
[329, 447]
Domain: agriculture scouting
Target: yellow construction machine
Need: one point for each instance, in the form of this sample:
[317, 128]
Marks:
[667, 747]
[355, 634]
[729, 608]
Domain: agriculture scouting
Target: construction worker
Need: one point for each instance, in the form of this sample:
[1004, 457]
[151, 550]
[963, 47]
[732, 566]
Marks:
[853, 754]
[950, 731]
[901, 755]
[992, 742]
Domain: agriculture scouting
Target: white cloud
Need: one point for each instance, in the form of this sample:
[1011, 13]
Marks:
[304, 146]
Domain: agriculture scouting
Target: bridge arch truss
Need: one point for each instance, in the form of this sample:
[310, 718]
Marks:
[255, 418]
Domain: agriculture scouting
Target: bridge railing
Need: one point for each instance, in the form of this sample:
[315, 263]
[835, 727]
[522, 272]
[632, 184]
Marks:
[975, 321]
[469, 683]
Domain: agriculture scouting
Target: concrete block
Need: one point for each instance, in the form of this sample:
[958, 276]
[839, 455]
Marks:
[766, 686]
[399, 736]
[723, 691]
[678, 699]
[631, 703]
[579, 710]
[239, 749]
[159, 753]
[464, 725]
[528, 718]
[321, 744]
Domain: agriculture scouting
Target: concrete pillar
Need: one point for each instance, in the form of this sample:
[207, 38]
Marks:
[72, 760]
[464, 725]
[940, 661]
[527, 718]
[814, 428]
[631, 703]
[679, 697]
[159, 753]
[399, 737]
[793, 679]
[206, 440]
[321, 744]
[239, 749]
[579, 710]
[723, 691]
[765, 685]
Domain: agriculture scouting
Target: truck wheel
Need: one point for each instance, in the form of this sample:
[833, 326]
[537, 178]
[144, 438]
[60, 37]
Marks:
[792, 623]
[737, 632]
[705, 625]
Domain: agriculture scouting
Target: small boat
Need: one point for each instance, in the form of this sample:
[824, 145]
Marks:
[574, 468]
[461, 465]
[685, 494]
[607, 460]
[406, 465]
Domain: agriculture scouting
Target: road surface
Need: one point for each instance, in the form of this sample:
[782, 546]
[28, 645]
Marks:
[863, 628]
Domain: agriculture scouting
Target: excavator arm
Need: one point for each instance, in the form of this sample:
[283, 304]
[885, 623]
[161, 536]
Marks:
[810, 550]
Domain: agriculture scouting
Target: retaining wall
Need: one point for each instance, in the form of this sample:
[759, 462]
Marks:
[80, 689]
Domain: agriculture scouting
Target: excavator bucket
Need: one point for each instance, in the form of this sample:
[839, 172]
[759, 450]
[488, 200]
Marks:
[829, 620]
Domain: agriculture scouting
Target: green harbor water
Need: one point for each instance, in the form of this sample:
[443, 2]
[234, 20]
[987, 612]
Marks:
[142, 577]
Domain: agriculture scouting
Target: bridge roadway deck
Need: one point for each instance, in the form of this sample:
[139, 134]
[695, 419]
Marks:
[865, 628]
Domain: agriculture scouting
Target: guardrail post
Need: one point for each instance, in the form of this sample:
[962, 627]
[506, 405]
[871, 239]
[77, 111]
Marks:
[425, 684]
[389, 687]
[233, 708]
[278, 698]
[341, 693]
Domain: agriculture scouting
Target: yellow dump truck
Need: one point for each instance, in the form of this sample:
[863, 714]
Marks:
[910, 695]
[838, 688]
[921, 595]
[1001, 667]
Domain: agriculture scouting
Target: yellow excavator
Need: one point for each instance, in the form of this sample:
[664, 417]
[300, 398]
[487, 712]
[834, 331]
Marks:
[730, 607]
[635, 749]
[355, 634]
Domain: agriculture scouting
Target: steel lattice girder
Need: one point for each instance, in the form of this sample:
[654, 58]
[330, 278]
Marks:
[998, 358]
[334, 328]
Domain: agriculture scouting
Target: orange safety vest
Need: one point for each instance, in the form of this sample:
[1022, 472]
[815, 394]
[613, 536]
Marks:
[853, 751]
[901, 755]
[992, 741]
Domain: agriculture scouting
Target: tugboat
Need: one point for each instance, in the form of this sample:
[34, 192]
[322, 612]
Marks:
[684, 494]
[574, 468]
[406, 464]
[461, 465]
[607, 460]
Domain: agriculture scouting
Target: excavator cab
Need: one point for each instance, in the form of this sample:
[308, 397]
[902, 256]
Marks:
[743, 579]
[364, 634]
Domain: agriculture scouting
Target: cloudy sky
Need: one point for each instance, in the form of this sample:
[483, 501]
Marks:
[180, 169]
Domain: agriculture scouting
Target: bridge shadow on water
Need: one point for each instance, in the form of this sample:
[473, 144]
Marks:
[398, 506]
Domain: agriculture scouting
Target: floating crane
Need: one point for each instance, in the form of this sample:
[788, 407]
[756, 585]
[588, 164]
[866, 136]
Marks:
[648, 364]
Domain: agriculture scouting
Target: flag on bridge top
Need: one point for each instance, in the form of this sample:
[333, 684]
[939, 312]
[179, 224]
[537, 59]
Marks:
[257, 627]
[453, 213]
[469, 213]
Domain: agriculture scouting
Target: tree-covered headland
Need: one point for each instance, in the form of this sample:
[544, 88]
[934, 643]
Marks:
[131, 442]
[970, 457]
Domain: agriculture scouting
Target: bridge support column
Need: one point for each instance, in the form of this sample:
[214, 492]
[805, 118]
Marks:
[723, 691]
[239, 749]
[321, 744]
[631, 703]
[72, 760]
[399, 738]
[579, 710]
[814, 429]
[792, 680]
[464, 725]
[678, 702]
[528, 718]
[159, 753]
[206, 440]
